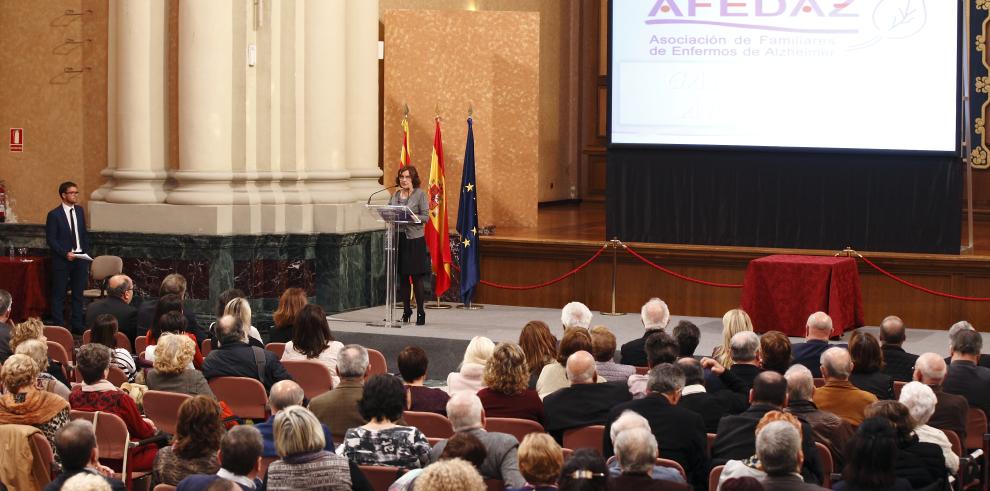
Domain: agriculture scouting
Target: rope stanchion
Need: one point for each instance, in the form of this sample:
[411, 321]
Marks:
[919, 287]
[678, 275]
[545, 283]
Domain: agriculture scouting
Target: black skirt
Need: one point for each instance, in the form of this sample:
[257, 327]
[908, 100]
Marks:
[413, 259]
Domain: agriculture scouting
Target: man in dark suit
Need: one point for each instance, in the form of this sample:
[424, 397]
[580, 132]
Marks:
[75, 444]
[744, 350]
[655, 316]
[736, 437]
[984, 360]
[688, 336]
[897, 363]
[951, 410]
[236, 358]
[710, 406]
[636, 453]
[778, 448]
[964, 377]
[174, 284]
[120, 292]
[585, 402]
[240, 461]
[679, 432]
[817, 332]
[65, 232]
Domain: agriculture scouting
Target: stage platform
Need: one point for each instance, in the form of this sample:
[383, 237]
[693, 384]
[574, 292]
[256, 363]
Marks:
[568, 235]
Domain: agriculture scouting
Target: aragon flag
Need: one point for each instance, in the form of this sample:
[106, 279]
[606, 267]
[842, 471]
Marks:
[467, 222]
[404, 157]
[437, 238]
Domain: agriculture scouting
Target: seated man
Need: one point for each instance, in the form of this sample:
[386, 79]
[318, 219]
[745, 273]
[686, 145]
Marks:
[817, 332]
[655, 316]
[636, 453]
[627, 421]
[585, 402]
[710, 406]
[75, 443]
[965, 377]
[829, 429]
[839, 396]
[660, 348]
[120, 292]
[240, 461]
[338, 408]
[897, 363]
[688, 336]
[951, 410]
[284, 394]
[236, 358]
[174, 284]
[744, 350]
[778, 446]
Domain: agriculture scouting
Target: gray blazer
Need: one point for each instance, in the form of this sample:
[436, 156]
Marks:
[420, 205]
[502, 461]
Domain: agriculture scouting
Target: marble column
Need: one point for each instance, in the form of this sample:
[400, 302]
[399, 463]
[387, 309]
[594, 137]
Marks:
[362, 98]
[137, 114]
[325, 95]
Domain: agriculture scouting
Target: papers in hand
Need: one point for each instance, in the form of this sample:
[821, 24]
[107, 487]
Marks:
[83, 256]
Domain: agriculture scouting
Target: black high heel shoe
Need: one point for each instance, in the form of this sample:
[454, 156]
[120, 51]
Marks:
[406, 316]
[420, 318]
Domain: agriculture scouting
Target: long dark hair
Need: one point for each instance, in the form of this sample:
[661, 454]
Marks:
[311, 333]
[870, 455]
[167, 303]
[104, 331]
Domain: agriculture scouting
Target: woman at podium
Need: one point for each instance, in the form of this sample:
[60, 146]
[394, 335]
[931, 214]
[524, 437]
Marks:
[412, 245]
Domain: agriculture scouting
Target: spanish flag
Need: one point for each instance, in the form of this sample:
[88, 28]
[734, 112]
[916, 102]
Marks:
[404, 157]
[437, 240]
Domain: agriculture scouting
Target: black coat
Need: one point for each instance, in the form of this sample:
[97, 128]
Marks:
[147, 311]
[970, 381]
[897, 363]
[921, 463]
[581, 405]
[634, 352]
[710, 407]
[237, 360]
[876, 383]
[126, 315]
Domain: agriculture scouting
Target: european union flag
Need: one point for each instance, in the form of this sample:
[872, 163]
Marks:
[467, 223]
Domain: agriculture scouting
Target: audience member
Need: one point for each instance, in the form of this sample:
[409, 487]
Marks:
[951, 410]
[75, 444]
[172, 373]
[636, 453]
[85, 481]
[921, 463]
[506, 393]
[839, 396]
[736, 436]
[680, 432]
[97, 394]
[289, 304]
[236, 358]
[603, 349]
[827, 428]
[240, 308]
[338, 408]
[688, 336]
[964, 376]
[867, 358]
[920, 401]
[413, 364]
[469, 377]
[540, 461]
[6, 305]
[775, 351]
[103, 330]
[655, 315]
[627, 420]
[284, 394]
[172, 322]
[117, 303]
[660, 348]
[33, 328]
[174, 284]
[24, 404]
[240, 462]
[195, 444]
[871, 460]
[575, 315]
[818, 330]
[752, 466]
[38, 351]
[744, 351]
[741, 484]
[304, 463]
[778, 446]
[540, 347]
[501, 460]
[898, 364]
[312, 340]
[734, 322]
[584, 471]
[983, 360]
[460, 446]
[554, 375]
[381, 441]
[222, 300]
[695, 397]
[585, 402]
[450, 475]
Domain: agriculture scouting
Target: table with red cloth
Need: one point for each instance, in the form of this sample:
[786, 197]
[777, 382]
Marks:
[28, 281]
[781, 291]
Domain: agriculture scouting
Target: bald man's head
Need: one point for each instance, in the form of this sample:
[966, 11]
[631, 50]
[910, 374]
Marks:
[581, 368]
[836, 363]
[284, 394]
[929, 369]
[819, 326]
[120, 286]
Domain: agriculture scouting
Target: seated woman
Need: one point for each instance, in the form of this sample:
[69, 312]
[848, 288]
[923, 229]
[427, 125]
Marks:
[172, 373]
[867, 357]
[38, 351]
[554, 376]
[734, 322]
[170, 320]
[304, 464]
[312, 340]
[463, 446]
[871, 456]
[507, 393]
[775, 351]
[289, 305]
[104, 331]
[240, 308]
[920, 400]
[603, 349]
[412, 366]
[24, 404]
[540, 462]
[751, 466]
[540, 347]
[33, 328]
[381, 441]
[194, 448]
[468, 377]
[97, 394]
[921, 463]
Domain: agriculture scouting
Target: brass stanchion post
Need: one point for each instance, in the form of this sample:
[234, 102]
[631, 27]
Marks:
[614, 244]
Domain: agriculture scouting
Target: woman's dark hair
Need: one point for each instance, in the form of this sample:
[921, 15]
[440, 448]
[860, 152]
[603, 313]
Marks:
[745, 483]
[413, 363]
[310, 331]
[167, 303]
[413, 173]
[775, 348]
[865, 351]
[92, 361]
[104, 331]
[199, 429]
[574, 340]
[584, 471]
[225, 297]
[174, 322]
[384, 398]
[897, 414]
[465, 446]
[870, 455]
[289, 305]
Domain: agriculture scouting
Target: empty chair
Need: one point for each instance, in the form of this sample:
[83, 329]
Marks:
[432, 425]
[376, 363]
[277, 348]
[163, 408]
[62, 336]
[976, 426]
[100, 271]
[313, 376]
[514, 426]
[586, 437]
[246, 397]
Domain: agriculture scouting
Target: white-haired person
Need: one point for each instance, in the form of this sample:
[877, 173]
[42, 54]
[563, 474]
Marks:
[753, 466]
[303, 463]
[818, 330]
[655, 316]
[628, 420]
[470, 376]
[951, 410]
[575, 315]
[920, 401]
[734, 322]
[636, 451]
[38, 351]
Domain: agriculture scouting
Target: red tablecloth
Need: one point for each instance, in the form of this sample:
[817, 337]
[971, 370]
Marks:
[28, 284]
[781, 291]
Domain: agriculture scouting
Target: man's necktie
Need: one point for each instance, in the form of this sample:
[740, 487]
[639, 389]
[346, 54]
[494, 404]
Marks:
[72, 228]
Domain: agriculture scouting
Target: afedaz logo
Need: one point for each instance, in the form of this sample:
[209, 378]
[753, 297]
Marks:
[805, 16]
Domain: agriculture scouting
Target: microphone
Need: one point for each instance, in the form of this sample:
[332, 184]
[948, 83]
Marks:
[380, 190]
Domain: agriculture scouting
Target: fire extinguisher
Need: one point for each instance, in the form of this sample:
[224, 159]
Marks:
[3, 203]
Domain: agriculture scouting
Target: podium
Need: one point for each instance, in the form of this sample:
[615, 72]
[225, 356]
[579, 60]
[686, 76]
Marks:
[391, 215]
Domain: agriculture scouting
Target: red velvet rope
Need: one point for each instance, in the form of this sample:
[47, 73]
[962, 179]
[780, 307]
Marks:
[678, 275]
[545, 283]
[919, 287]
